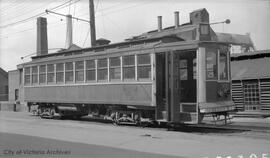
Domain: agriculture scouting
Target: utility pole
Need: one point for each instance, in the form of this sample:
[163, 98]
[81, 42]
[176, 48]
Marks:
[92, 23]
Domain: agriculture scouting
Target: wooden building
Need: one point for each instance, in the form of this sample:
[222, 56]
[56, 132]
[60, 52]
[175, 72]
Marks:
[251, 80]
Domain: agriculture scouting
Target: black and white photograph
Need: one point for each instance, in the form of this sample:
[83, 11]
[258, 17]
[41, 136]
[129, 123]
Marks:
[134, 78]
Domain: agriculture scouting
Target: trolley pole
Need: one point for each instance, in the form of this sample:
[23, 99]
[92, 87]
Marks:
[92, 23]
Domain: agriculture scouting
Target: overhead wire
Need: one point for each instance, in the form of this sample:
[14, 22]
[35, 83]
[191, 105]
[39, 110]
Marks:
[18, 13]
[36, 15]
[13, 6]
[68, 3]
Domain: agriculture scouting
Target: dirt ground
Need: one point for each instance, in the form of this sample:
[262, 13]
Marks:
[151, 140]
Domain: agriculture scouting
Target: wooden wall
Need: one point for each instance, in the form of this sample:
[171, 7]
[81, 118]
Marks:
[238, 95]
[265, 94]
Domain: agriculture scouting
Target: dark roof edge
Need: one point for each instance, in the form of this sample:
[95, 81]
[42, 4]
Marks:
[250, 55]
[3, 72]
[114, 45]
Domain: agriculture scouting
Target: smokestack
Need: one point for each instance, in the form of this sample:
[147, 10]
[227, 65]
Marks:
[159, 23]
[176, 19]
[69, 31]
[42, 40]
[92, 23]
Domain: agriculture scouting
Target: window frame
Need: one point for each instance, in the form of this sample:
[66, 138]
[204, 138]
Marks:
[218, 72]
[67, 71]
[79, 70]
[91, 69]
[226, 66]
[34, 75]
[115, 67]
[183, 68]
[215, 77]
[26, 75]
[42, 74]
[57, 72]
[141, 65]
[127, 67]
[99, 69]
[251, 93]
[53, 73]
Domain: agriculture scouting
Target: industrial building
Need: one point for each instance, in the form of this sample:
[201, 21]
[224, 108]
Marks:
[251, 80]
[3, 85]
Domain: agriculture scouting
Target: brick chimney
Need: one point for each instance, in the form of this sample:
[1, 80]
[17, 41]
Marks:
[176, 19]
[69, 38]
[159, 23]
[42, 40]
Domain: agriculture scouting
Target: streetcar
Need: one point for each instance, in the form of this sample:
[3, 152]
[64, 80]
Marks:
[176, 75]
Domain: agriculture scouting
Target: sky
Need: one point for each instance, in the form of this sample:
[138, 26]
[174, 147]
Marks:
[117, 20]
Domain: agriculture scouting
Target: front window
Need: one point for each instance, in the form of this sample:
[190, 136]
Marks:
[223, 65]
[183, 69]
[194, 69]
[211, 65]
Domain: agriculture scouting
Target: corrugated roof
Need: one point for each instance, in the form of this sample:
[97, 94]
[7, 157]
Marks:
[250, 68]
[259, 53]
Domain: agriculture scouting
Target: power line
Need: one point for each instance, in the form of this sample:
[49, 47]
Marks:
[26, 10]
[52, 24]
[37, 15]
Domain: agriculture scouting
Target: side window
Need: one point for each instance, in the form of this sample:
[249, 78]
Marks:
[251, 93]
[211, 65]
[90, 70]
[102, 69]
[21, 75]
[34, 74]
[183, 69]
[115, 68]
[129, 67]
[27, 76]
[59, 72]
[69, 72]
[144, 66]
[79, 71]
[42, 74]
[50, 73]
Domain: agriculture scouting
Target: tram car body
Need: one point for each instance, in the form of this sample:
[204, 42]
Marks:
[177, 74]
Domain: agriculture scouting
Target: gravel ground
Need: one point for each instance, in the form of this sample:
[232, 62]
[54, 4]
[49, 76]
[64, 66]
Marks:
[158, 141]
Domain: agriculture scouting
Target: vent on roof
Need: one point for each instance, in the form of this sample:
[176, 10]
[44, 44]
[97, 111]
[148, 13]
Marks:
[199, 16]
[102, 42]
